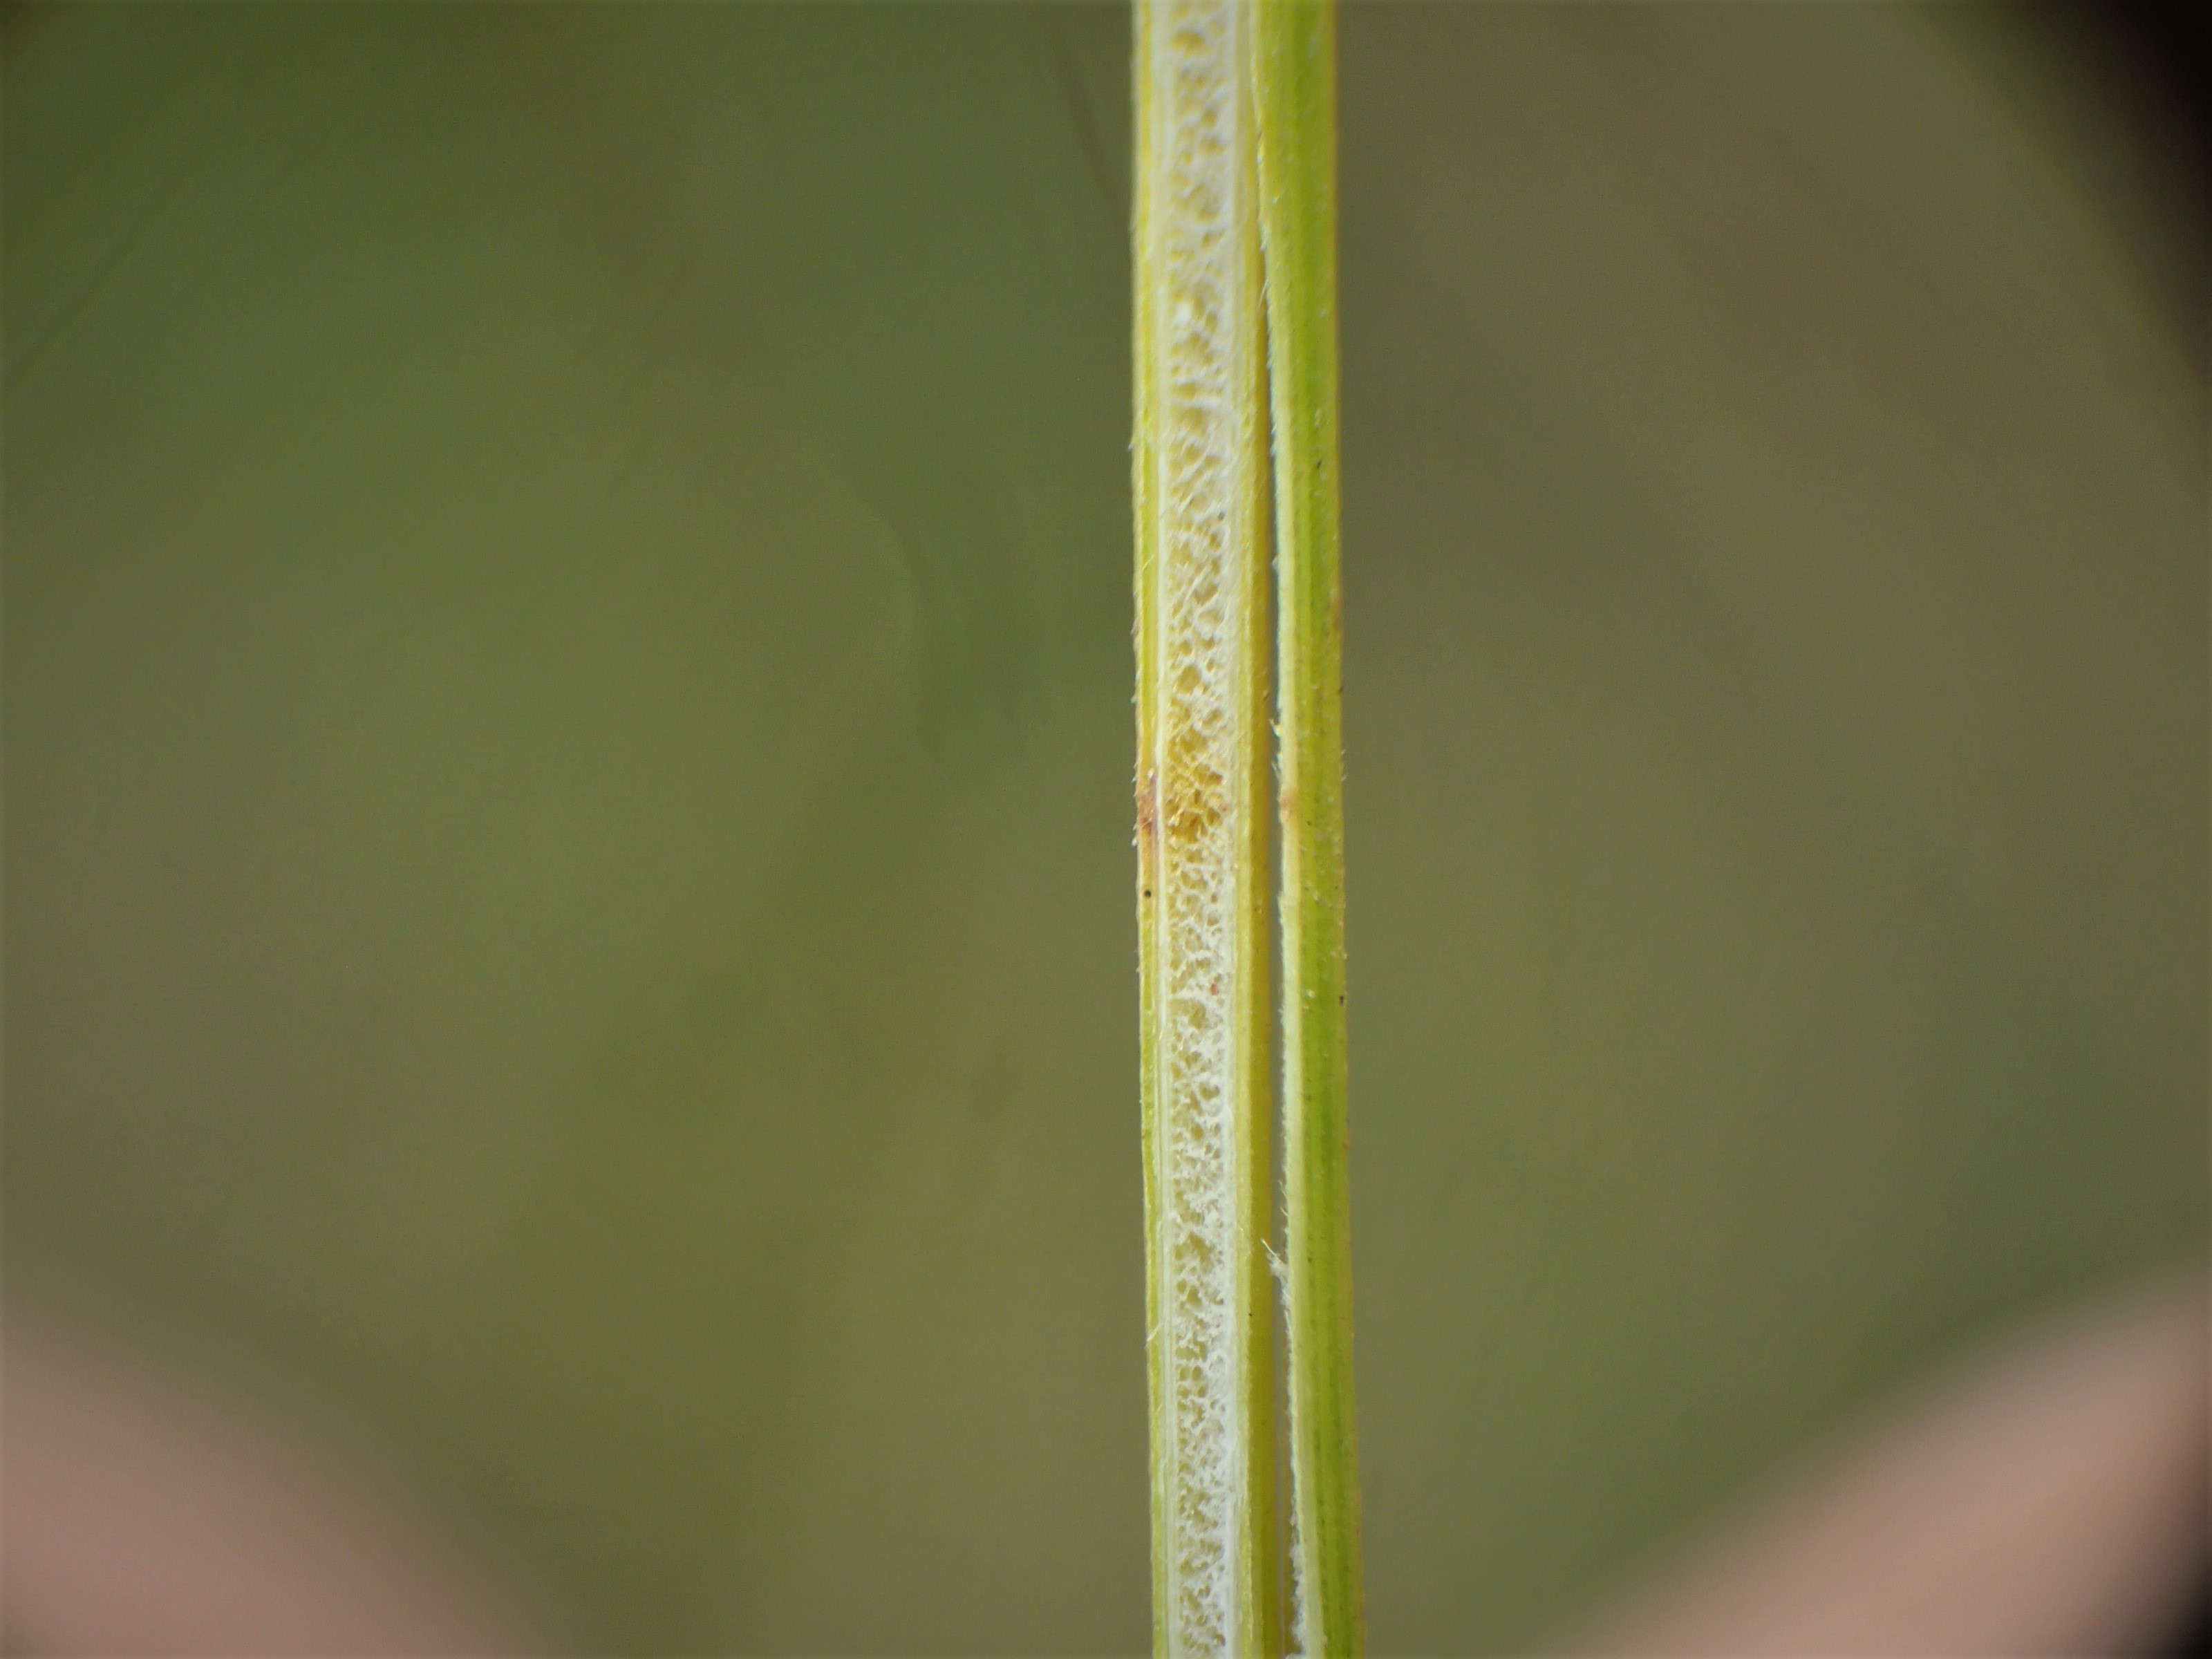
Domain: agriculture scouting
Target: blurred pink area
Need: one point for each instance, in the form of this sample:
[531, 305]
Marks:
[2050, 1499]
[151, 1509]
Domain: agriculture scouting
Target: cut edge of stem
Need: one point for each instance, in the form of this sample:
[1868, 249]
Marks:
[1203, 824]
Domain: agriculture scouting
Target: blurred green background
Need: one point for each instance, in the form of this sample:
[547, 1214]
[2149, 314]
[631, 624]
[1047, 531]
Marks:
[568, 736]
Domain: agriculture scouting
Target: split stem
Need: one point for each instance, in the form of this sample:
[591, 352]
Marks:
[1235, 322]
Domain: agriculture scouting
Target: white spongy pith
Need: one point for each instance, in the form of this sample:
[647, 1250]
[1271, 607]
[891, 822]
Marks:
[1203, 335]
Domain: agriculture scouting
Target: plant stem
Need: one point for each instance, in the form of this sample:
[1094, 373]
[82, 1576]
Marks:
[1202, 831]
[1235, 309]
[1294, 74]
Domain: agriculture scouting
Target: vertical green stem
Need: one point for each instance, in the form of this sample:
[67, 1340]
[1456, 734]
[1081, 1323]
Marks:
[1294, 74]
[1237, 322]
[1202, 815]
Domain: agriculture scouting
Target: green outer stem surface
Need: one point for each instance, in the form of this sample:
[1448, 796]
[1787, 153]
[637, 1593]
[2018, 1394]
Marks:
[1294, 74]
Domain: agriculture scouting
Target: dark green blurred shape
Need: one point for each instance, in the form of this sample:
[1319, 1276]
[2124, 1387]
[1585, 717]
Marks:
[568, 735]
